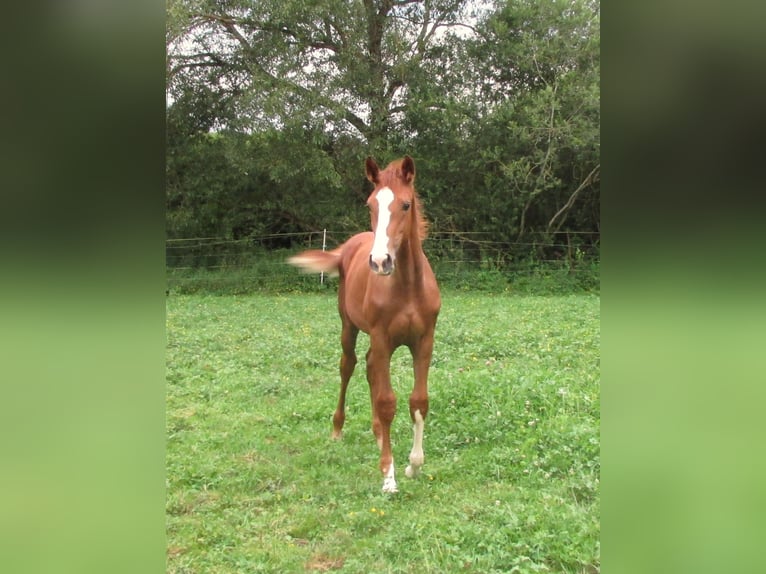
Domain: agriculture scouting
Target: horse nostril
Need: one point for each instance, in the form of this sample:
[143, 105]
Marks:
[388, 264]
[373, 265]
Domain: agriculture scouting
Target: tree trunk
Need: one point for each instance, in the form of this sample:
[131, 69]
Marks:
[377, 16]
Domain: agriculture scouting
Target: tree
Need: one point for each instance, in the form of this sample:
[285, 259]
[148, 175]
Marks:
[539, 62]
[511, 148]
[343, 65]
[273, 106]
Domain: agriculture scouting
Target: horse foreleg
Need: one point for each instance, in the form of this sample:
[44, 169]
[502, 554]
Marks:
[347, 364]
[383, 410]
[416, 454]
[421, 361]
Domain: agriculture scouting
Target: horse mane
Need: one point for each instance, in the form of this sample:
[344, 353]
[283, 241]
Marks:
[393, 172]
[420, 217]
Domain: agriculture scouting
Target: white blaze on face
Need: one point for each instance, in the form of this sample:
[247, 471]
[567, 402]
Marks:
[385, 198]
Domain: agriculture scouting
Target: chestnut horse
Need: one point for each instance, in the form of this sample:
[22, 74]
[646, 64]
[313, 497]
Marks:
[388, 290]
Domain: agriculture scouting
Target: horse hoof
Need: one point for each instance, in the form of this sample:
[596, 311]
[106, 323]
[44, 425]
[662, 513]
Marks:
[389, 482]
[390, 488]
[411, 471]
[337, 435]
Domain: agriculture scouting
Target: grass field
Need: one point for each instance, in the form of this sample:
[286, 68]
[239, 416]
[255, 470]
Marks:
[511, 475]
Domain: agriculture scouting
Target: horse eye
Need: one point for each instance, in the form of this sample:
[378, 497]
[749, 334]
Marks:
[406, 205]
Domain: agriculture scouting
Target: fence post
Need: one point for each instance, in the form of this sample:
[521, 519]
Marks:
[324, 246]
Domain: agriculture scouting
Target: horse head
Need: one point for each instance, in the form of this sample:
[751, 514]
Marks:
[392, 205]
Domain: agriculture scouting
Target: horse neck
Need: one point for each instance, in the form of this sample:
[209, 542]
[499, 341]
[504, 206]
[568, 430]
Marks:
[409, 265]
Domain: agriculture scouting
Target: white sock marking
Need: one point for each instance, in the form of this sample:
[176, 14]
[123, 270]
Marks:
[385, 198]
[416, 455]
[389, 482]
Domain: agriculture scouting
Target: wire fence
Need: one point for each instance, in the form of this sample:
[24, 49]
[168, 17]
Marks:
[456, 247]
[469, 259]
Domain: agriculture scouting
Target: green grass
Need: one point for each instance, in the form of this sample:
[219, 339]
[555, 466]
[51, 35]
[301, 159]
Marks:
[511, 477]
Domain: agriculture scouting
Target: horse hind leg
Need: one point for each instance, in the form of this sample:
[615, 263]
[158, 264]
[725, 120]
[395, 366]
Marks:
[347, 364]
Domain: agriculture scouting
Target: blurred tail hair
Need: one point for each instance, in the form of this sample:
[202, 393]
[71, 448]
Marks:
[316, 261]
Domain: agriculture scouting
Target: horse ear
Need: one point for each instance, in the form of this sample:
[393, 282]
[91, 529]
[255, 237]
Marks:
[372, 170]
[408, 169]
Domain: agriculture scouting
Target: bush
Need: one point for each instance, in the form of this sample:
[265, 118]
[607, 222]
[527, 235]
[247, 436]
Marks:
[268, 272]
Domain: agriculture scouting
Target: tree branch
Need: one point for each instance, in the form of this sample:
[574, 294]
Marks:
[591, 178]
[543, 165]
[229, 24]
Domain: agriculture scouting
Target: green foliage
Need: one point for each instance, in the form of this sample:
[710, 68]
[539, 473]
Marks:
[255, 484]
[525, 137]
[274, 105]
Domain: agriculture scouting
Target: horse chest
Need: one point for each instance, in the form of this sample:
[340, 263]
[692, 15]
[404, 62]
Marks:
[407, 324]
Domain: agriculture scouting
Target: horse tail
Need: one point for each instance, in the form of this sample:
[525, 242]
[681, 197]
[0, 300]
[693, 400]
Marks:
[316, 261]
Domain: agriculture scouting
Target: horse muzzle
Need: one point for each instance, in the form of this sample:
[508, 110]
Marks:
[384, 266]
